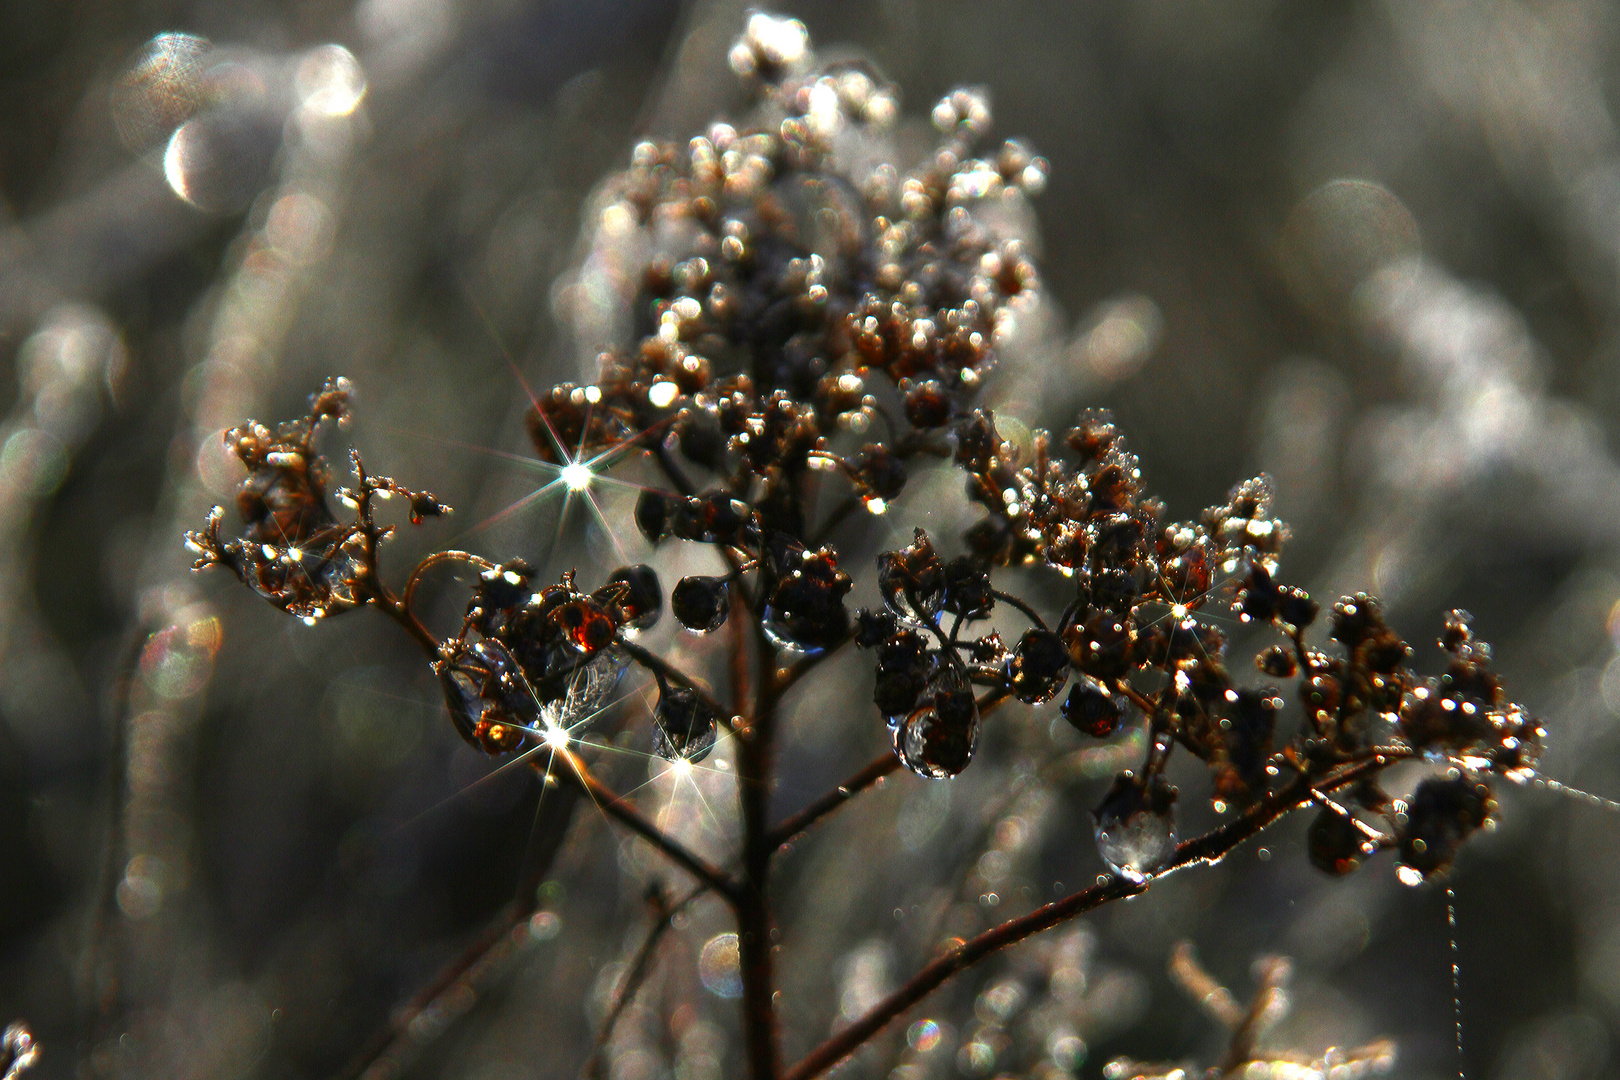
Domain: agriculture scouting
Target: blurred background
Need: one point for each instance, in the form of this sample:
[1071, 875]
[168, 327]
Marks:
[1371, 248]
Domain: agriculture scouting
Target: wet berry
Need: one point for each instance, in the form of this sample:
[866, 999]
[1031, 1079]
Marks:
[1335, 845]
[653, 512]
[1443, 812]
[1038, 667]
[637, 599]
[701, 603]
[912, 580]
[686, 723]
[1091, 709]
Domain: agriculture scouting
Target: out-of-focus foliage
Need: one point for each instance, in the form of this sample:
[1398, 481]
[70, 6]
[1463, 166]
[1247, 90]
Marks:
[1368, 248]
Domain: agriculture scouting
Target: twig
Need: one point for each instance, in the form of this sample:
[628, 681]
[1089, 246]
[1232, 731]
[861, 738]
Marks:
[1209, 849]
[397, 1039]
[875, 770]
[663, 920]
[659, 666]
[1273, 976]
[433, 560]
[755, 768]
[1013, 601]
[631, 818]
[101, 989]
[1200, 985]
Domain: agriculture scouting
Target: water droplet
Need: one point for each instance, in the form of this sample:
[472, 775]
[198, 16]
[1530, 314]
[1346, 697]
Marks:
[938, 737]
[701, 603]
[720, 967]
[1136, 829]
[686, 723]
[913, 580]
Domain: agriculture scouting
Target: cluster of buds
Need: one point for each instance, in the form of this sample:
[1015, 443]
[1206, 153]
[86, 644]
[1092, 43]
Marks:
[531, 659]
[292, 550]
[802, 289]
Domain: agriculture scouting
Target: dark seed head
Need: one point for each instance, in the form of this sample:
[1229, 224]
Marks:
[1335, 845]
[1091, 709]
[638, 599]
[653, 510]
[701, 603]
[1038, 667]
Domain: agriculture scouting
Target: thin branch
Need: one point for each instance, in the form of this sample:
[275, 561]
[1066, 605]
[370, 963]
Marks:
[409, 595]
[1208, 849]
[663, 921]
[399, 1039]
[659, 666]
[785, 832]
[631, 818]
[755, 769]
[790, 675]
[1262, 1011]
[1013, 601]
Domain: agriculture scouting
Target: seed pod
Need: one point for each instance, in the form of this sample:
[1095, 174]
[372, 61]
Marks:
[1335, 845]
[1091, 709]
[1443, 813]
[637, 598]
[653, 512]
[686, 723]
[1038, 667]
[912, 580]
[701, 603]
[936, 740]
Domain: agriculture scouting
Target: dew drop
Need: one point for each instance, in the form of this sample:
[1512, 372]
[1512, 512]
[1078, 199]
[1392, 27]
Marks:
[936, 740]
[1136, 829]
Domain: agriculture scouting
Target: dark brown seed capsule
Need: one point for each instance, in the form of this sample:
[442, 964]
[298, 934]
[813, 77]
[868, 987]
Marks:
[927, 404]
[1442, 814]
[653, 510]
[1295, 607]
[1278, 661]
[967, 587]
[638, 598]
[1038, 667]
[701, 603]
[1335, 845]
[712, 518]
[1091, 709]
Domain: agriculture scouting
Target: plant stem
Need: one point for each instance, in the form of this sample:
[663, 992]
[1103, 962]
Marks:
[627, 815]
[1209, 849]
[395, 1042]
[754, 776]
[875, 770]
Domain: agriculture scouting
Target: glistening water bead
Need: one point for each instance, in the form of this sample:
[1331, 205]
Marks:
[685, 722]
[701, 603]
[1136, 826]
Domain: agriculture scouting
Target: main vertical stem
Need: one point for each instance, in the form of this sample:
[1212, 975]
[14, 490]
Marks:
[754, 768]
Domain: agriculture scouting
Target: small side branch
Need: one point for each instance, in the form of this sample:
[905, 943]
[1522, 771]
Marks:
[631, 818]
[663, 915]
[1209, 848]
[658, 666]
[875, 770]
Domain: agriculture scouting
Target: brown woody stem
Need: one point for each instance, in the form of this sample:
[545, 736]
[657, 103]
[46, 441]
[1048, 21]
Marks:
[875, 770]
[1209, 848]
[627, 815]
[755, 769]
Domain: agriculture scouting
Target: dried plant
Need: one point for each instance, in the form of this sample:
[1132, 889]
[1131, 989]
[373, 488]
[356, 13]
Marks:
[18, 1051]
[814, 323]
